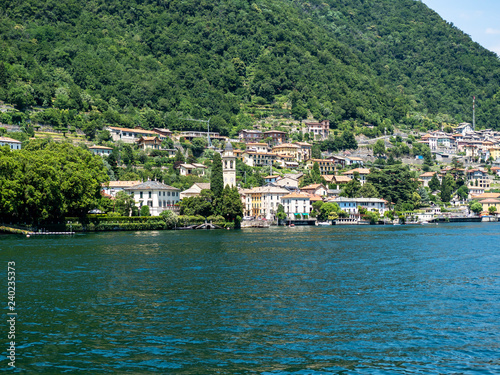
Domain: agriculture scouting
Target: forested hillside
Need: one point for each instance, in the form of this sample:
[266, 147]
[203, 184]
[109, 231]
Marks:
[153, 62]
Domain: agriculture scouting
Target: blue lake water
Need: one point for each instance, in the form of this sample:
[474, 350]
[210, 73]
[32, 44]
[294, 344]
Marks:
[303, 300]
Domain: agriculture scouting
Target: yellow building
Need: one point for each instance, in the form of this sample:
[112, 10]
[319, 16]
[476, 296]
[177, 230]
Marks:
[495, 153]
[288, 149]
[491, 202]
[325, 166]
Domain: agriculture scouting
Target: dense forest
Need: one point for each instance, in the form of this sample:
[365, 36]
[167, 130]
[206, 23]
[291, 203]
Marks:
[154, 62]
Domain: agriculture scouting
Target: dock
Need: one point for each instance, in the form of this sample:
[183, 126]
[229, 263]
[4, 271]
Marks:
[50, 233]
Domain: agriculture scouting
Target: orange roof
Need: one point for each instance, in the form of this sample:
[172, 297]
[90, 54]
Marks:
[428, 174]
[295, 195]
[359, 170]
[328, 177]
[314, 197]
[322, 160]
[100, 148]
[312, 186]
[117, 184]
[342, 179]
[140, 131]
[487, 195]
[286, 145]
[149, 139]
[256, 144]
[7, 139]
[491, 200]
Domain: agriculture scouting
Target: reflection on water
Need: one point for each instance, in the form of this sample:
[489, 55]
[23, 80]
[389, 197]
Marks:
[327, 300]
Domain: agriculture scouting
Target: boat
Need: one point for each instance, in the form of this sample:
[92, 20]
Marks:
[291, 225]
[424, 222]
[323, 223]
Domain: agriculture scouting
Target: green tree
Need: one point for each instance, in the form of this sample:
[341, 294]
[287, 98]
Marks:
[463, 192]
[316, 152]
[434, 183]
[379, 148]
[179, 157]
[171, 219]
[476, 207]
[416, 199]
[352, 188]
[21, 96]
[424, 196]
[348, 141]
[198, 146]
[124, 203]
[217, 177]
[127, 155]
[447, 187]
[492, 210]
[367, 191]
[201, 205]
[46, 181]
[394, 183]
[328, 210]
[231, 206]
[145, 211]
[280, 213]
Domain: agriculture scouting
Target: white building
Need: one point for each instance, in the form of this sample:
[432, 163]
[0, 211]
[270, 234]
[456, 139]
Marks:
[352, 205]
[127, 135]
[319, 129]
[296, 205]
[101, 150]
[159, 197]
[269, 197]
[257, 147]
[14, 144]
[113, 187]
[195, 190]
[193, 168]
[363, 173]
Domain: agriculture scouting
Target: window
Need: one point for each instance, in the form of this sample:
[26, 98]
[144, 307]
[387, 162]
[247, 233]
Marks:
[168, 194]
[149, 195]
[140, 194]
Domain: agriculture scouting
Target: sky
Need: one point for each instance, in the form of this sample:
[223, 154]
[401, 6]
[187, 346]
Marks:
[478, 18]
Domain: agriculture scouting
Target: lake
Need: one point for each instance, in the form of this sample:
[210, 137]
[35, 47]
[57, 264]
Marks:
[303, 300]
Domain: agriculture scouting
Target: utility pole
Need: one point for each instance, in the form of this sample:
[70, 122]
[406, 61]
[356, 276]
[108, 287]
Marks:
[208, 126]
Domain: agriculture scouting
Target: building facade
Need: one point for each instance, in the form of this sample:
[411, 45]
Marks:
[158, 196]
[229, 166]
[14, 144]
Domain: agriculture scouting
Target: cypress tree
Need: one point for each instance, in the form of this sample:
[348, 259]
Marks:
[434, 183]
[217, 179]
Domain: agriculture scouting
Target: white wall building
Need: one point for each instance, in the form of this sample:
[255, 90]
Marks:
[352, 205]
[14, 144]
[296, 205]
[113, 187]
[101, 150]
[127, 135]
[159, 197]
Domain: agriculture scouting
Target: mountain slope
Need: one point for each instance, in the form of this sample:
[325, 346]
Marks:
[153, 62]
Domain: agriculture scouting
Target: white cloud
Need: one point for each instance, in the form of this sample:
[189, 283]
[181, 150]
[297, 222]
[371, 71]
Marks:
[492, 31]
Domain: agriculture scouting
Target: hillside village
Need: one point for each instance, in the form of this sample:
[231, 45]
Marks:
[299, 177]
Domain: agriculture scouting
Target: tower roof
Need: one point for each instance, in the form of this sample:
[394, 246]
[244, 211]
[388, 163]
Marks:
[229, 146]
